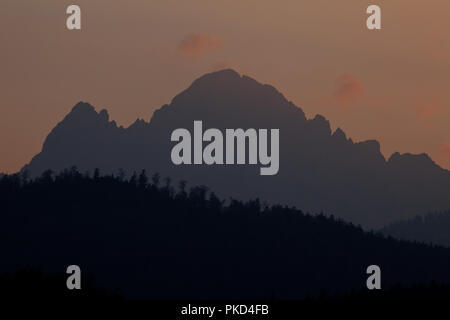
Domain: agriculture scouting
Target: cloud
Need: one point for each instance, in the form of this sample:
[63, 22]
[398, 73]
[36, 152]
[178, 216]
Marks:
[348, 88]
[444, 150]
[220, 65]
[443, 155]
[427, 110]
[198, 44]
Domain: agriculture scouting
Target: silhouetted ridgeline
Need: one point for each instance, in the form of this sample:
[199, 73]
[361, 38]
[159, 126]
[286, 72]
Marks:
[319, 170]
[431, 228]
[145, 239]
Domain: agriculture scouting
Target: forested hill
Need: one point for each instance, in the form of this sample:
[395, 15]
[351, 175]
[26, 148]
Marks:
[146, 238]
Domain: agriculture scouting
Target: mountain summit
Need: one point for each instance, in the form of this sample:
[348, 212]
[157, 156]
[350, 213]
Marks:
[319, 170]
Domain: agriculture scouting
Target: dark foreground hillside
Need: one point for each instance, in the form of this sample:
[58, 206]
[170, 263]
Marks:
[146, 240]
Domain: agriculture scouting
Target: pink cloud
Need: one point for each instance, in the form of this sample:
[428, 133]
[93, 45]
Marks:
[444, 150]
[443, 155]
[429, 108]
[348, 89]
[221, 65]
[199, 44]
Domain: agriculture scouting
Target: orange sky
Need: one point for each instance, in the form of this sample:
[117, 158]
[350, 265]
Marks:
[133, 56]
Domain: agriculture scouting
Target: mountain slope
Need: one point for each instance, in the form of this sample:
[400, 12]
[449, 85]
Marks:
[319, 170]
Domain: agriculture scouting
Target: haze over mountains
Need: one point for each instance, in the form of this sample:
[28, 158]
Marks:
[431, 228]
[319, 170]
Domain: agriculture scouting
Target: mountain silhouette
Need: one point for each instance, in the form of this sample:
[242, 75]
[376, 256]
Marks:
[319, 170]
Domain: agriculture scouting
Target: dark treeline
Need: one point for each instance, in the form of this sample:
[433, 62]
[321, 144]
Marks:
[145, 238]
[431, 228]
[430, 291]
[34, 285]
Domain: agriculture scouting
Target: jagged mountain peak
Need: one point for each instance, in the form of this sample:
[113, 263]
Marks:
[84, 112]
[339, 134]
[319, 170]
[228, 90]
[413, 161]
[82, 107]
